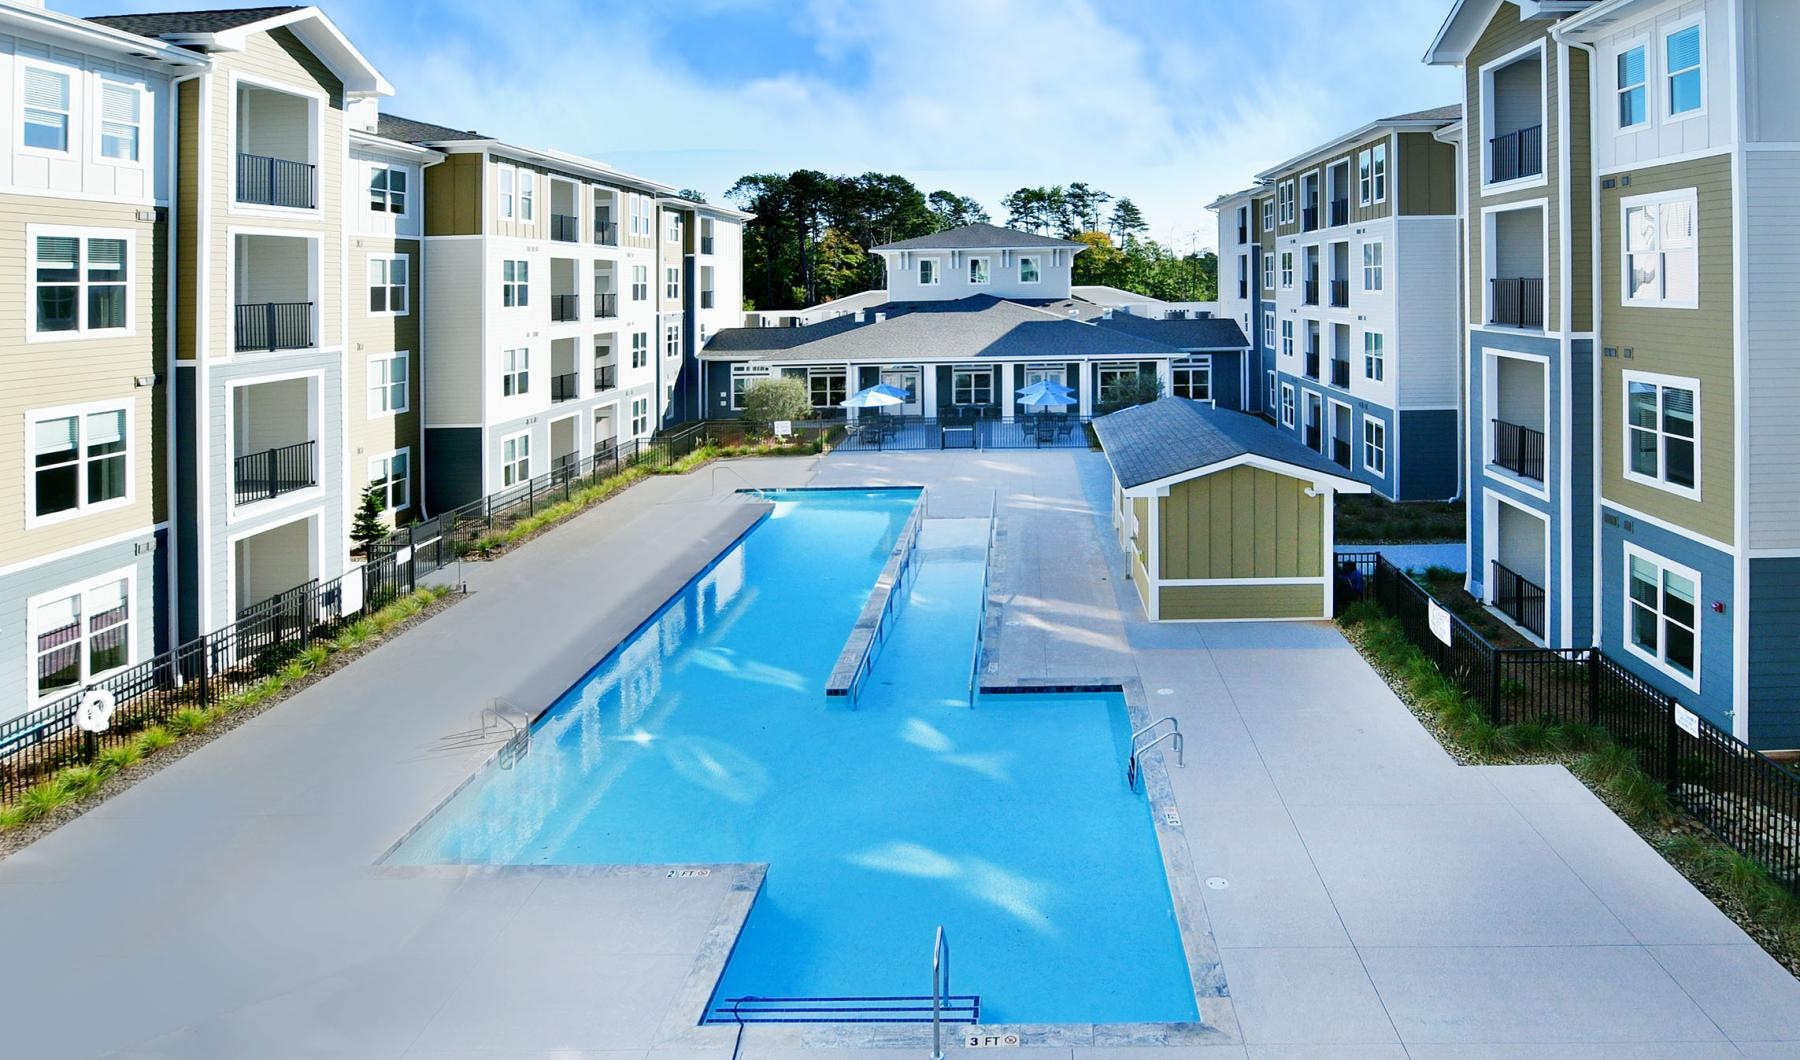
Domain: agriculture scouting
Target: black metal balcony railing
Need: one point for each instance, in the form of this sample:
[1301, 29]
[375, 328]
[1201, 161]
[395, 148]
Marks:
[1340, 212]
[1340, 452]
[706, 244]
[606, 305]
[565, 387]
[706, 299]
[1519, 450]
[1312, 437]
[1243, 288]
[606, 377]
[565, 228]
[1518, 598]
[264, 181]
[1518, 302]
[1243, 235]
[1309, 218]
[565, 307]
[272, 472]
[1340, 293]
[1516, 154]
[1309, 292]
[1340, 373]
[273, 326]
[606, 233]
[1312, 364]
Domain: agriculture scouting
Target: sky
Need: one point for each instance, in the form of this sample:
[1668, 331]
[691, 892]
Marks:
[1168, 102]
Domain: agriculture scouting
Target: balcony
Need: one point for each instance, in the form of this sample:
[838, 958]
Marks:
[606, 233]
[565, 228]
[1340, 373]
[1517, 302]
[1312, 364]
[1243, 287]
[606, 305]
[706, 244]
[1519, 450]
[1515, 155]
[1340, 452]
[1309, 292]
[1518, 598]
[1243, 233]
[273, 326]
[1340, 293]
[706, 299]
[565, 307]
[1312, 437]
[1340, 212]
[1309, 218]
[272, 472]
[264, 181]
[565, 387]
[606, 377]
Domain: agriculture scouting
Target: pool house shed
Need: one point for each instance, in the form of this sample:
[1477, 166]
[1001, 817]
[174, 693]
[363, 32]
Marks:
[1222, 516]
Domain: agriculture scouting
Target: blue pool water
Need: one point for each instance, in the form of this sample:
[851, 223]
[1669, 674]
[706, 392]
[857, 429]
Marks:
[706, 737]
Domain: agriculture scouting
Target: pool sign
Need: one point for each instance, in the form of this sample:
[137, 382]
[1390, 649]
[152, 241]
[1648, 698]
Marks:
[1440, 622]
[784, 428]
[689, 874]
[1688, 720]
[94, 712]
[991, 1041]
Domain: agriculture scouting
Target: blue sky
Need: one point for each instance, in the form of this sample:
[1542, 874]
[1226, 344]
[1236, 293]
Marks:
[1165, 101]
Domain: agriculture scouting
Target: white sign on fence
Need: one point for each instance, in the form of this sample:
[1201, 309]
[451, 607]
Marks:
[1440, 622]
[1688, 720]
[784, 428]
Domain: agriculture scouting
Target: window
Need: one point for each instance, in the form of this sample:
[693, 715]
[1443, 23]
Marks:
[1662, 432]
[527, 194]
[388, 379]
[46, 109]
[391, 476]
[1681, 49]
[79, 282]
[1374, 356]
[387, 189]
[1284, 198]
[1287, 338]
[640, 283]
[672, 283]
[515, 372]
[1028, 270]
[1662, 614]
[79, 460]
[515, 460]
[1632, 110]
[827, 386]
[928, 272]
[1268, 215]
[1378, 172]
[1662, 257]
[121, 120]
[507, 176]
[1268, 329]
[1372, 265]
[1192, 379]
[743, 376]
[515, 283]
[978, 270]
[640, 349]
[1268, 279]
[672, 341]
[388, 287]
[1272, 398]
[1374, 446]
[1287, 269]
[673, 232]
[640, 416]
[974, 386]
[81, 636]
[1365, 177]
[1287, 405]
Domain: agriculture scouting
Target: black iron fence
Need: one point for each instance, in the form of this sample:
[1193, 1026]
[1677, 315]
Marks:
[1518, 301]
[1309, 218]
[272, 472]
[886, 432]
[273, 326]
[1519, 450]
[1340, 212]
[1340, 293]
[1516, 154]
[1340, 373]
[1518, 598]
[1309, 292]
[1746, 799]
[264, 181]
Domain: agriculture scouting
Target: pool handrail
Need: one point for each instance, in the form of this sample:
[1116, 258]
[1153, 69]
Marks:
[1178, 741]
[909, 547]
[940, 987]
[978, 655]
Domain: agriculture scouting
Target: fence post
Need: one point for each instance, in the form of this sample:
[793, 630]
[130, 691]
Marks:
[205, 671]
[1593, 690]
[1493, 661]
[1671, 736]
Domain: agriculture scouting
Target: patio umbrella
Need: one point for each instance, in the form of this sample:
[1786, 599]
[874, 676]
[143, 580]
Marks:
[874, 397]
[1045, 393]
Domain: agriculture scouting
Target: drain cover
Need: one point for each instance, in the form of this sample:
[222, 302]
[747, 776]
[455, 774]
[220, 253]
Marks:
[1217, 883]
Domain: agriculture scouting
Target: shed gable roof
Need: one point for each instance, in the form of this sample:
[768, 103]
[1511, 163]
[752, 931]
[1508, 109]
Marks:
[1171, 436]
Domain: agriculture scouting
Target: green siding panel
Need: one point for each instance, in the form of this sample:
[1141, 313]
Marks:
[1242, 601]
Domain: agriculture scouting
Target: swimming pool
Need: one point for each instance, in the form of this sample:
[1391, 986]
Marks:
[706, 738]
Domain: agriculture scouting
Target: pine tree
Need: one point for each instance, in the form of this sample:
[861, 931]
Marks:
[368, 527]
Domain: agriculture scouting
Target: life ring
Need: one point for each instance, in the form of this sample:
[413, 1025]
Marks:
[94, 712]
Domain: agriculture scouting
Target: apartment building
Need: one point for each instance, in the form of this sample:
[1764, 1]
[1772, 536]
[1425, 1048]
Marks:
[702, 293]
[85, 196]
[1343, 264]
[1630, 178]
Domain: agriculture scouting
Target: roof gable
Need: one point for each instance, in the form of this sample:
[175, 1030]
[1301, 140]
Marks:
[980, 237]
[1172, 438]
[229, 31]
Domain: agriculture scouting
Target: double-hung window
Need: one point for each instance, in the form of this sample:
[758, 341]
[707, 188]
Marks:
[1662, 432]
[1365, 177]
[121, 120]
[1284, 197]
[387, 189]
[1268, 279]
[391, 476]
[743, 377]
[1287, 338]
[1662, 614]
[1192, 378]
[515, 459]
[640, 349]
[1268, 215]
[1372, 265]
[1287, 269]
[1374, 446]
[827, 387]
[672, 341]
[79, 281]
[1374, 356]
[79, 460]
[515, 372]
[389, 375]
[1633, 110]
[1683, 70]
[507, 176]
[1287, 404]
[640, 282]
[672, 283]
[1268, 329]
[1270, 379]
[1378, 172]
[640, 416]
[1662, 254]
[388, 284]
[47, 109]
[527, 194]
[81, 635]
[928, 272]
[515, 283]
[976, 386]
[978, 270]
[1028, 270]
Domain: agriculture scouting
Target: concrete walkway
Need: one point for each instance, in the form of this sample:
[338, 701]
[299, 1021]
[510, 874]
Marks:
[1381, 900]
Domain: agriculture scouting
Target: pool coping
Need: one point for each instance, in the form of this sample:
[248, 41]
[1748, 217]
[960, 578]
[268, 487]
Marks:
[861, 641]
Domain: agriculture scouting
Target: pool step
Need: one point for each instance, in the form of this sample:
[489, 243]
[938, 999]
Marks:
[958, 1008]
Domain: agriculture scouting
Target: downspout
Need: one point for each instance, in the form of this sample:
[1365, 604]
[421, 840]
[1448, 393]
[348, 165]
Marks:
[424, 377]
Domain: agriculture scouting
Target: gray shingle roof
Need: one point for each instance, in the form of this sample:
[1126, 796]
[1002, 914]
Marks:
[1173, 435]
[1212, 333]
[978, 237]
[1452, 112]
[408, 130]
[158, 23]
[974, 328]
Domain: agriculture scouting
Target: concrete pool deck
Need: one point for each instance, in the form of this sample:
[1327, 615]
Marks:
[1380, 900]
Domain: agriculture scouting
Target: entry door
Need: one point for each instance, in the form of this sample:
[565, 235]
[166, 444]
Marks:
[906, 379]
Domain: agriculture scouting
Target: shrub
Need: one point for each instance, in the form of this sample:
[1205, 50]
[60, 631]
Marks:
[775, 398]
[1140, 388]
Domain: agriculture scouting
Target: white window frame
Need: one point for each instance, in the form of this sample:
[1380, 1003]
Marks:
[1287, 270]
[743, 377]
[1268, 342]
[527, 196]
[381, 383]
[1268, 272]
[1378, 168]
[986, 265]
[1287, 404]
[1377, 447]
[515, 373]
[1691, 197]
[515, 469]
[640, 283]
[1696, 22]
[640, 416]
[80, 414]
[515, 291]
[1486, 75]
[385, 481]
[1287, 338]
[1374, 265]
[640, 349]
[672, 283]
[404, 286]
[140, 128]
[1037, 269]
[1661, 383]
[72, 79]
[929, 272]
[1642, 87]
[672, 340]
[1664, 568]
[1274, 392]
[1365, 177]
[1195, 364]
[129, 576]
[1284, 196]
[81, 283]
[387, 194]
[506, 180]
[1374, 356]
[1268, 214]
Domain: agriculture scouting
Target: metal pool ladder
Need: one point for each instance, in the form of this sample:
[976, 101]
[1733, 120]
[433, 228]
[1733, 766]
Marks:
[1157, 735]
[938, 1007]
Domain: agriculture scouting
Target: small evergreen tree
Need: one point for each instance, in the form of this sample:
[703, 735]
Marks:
[368, 527]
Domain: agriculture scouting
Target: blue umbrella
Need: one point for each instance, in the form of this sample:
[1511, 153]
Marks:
[1046, 393]
[877, 396]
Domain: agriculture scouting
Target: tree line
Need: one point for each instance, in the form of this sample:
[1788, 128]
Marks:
[810, 238]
